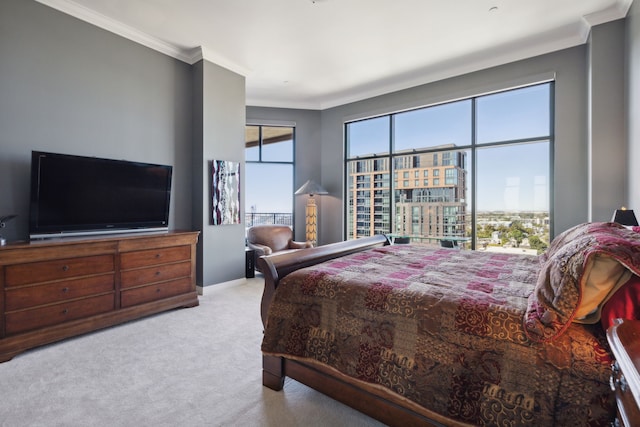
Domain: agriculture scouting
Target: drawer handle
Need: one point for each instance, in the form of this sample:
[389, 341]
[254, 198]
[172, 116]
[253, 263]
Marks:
[65, 311]
[615, 367]
[65, 290]
[621, 381]
[158, 273]
[65, 268]
[158, 255]
[157, 290]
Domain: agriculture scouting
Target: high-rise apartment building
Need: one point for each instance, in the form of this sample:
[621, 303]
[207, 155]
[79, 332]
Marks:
[429, 192]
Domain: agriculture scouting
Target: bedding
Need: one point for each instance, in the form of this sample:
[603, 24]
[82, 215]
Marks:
[624, 304]
[567, 288]
[451, 331]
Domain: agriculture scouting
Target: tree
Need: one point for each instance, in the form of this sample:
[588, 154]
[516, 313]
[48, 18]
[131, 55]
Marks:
[486, 231]
[517, 232]
[536, 243]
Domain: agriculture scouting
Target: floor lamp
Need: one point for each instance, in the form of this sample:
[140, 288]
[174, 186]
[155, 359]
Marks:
[311, 188]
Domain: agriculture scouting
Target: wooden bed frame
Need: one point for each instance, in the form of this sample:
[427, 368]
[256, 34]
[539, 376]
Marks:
[374, 401]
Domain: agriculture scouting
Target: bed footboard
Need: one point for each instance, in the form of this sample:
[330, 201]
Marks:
[275, 267]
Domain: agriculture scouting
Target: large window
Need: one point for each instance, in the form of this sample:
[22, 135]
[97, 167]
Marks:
[269, 154]
[475, 171]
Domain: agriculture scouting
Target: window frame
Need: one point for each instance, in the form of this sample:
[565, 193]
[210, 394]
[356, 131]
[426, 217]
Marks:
[472, 147]
[260, 160]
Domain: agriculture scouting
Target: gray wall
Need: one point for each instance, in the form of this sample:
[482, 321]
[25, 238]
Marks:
[570, 172]
[67, 86]
[606, 120]
[633, 103]
[220, 114]
[307, 152]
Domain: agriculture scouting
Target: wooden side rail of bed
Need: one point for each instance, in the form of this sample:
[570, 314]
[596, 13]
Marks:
[275, 267]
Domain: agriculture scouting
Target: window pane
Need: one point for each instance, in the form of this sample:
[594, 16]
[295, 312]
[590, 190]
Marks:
[513, 195]
[368, 137]
[446, 124]
[368, 198]
[277, 144]
[442, 208]
[431, 169]
[269, 201]
[252, 143]
[515, 114]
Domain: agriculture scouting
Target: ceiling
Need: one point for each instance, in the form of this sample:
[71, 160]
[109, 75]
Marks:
[317, 54]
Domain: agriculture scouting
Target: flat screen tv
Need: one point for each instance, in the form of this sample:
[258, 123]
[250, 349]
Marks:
[76, 196]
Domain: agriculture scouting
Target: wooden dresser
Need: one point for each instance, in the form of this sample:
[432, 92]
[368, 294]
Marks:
[60, 288]
[624, 339]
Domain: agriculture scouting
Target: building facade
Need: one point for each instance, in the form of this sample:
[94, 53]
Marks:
[429, 192]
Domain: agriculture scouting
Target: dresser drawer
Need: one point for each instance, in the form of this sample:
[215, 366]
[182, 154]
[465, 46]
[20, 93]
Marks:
[155, 292]
[628, 411]
[59, 269]
[150, 257]
[26, 320]
[32, 296]
[624, 340]
[153, 274]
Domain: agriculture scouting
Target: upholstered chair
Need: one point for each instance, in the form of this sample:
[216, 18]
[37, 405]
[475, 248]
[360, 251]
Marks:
[269, 239]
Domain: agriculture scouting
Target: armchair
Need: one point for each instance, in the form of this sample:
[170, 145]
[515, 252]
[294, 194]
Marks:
[268, 239]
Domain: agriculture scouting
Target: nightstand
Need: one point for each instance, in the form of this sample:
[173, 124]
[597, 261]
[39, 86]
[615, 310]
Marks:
[250, 263]
[624, 339]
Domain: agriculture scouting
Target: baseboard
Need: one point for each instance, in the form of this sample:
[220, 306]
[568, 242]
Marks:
[221, 285]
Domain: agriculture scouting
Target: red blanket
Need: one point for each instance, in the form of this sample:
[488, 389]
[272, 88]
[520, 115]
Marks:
[443, 328]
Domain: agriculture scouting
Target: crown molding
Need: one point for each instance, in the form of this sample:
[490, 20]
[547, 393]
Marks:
[190, 56]
[618, 10]
[99, 20]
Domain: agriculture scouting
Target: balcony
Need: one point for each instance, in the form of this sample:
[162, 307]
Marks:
[257, 218]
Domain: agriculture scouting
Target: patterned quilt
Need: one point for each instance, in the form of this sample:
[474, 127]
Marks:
[443, 328]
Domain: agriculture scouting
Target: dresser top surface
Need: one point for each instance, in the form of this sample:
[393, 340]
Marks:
[55, 241]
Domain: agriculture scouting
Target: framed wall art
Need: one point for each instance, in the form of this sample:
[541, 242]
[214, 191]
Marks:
[225, 207]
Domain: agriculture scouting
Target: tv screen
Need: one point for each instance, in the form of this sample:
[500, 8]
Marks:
[76, 195]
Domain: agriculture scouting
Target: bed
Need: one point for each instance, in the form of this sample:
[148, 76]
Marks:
[422, 335]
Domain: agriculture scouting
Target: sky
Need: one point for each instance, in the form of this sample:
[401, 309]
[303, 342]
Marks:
[269, 187]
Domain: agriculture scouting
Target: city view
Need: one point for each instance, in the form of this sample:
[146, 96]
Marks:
[521, 232]
[526, 232]
[430, 201]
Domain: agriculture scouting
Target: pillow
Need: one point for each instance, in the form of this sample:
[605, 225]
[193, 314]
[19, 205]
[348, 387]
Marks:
[581, 267]
[563, 238]
[623, 304]
[601, 278]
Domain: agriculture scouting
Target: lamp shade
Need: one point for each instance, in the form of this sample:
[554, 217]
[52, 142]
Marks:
[624, 216]
[311, 187]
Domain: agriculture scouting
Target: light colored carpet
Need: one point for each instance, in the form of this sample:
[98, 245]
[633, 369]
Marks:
[188, 367]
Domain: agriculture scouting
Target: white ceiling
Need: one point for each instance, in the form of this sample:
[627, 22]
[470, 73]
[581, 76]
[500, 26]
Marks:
[318, 54]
